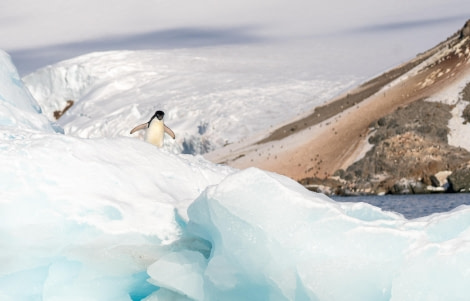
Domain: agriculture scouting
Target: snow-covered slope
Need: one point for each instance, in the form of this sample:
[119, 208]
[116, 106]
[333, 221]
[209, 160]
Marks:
[210, 97]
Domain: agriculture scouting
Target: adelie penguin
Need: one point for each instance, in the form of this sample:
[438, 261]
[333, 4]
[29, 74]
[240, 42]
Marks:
[156, 129]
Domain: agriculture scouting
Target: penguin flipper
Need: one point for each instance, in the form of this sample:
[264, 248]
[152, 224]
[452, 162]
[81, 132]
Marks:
[169, 132]
[139, 127]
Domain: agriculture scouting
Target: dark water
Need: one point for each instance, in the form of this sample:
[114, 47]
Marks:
[413, 206]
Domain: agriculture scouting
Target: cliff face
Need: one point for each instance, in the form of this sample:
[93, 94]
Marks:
[390, 130]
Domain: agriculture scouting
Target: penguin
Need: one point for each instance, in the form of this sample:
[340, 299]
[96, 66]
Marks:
[156, 129]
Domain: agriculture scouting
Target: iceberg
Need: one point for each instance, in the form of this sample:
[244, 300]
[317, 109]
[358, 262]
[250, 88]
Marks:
[273, 240]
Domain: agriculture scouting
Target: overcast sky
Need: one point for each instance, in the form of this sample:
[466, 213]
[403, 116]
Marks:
[36, 34]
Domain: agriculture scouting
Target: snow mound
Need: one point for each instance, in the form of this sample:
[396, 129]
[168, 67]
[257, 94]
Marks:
[84, 218]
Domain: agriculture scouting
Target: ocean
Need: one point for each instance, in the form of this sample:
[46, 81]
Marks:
[412, 205]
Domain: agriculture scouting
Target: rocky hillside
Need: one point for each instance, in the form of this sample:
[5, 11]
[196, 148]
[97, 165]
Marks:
[389, 135]
[410, 154]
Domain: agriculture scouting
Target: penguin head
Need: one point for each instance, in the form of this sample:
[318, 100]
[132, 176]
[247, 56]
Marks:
[159, 115]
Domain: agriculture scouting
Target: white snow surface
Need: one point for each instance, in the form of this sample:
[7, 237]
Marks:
[452, 95]
[459, 129]
[210, 97]
[115, 218]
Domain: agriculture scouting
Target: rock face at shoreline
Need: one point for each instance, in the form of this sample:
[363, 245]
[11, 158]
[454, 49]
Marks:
[459, 180]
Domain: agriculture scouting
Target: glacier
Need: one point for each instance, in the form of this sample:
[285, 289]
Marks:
[114, 218]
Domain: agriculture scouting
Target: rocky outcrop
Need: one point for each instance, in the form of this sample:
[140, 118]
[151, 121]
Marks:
[459, 180]
[409, 155]
[411, 144]
[59, 113]
[406, 186]
[439, 182]
[465, 31]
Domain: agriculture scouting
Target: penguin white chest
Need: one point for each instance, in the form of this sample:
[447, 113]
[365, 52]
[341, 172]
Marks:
[155, 133]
